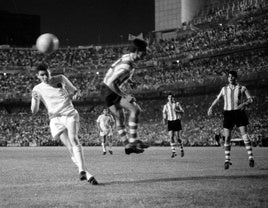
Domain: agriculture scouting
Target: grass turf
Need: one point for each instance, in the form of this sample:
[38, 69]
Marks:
[46, 177]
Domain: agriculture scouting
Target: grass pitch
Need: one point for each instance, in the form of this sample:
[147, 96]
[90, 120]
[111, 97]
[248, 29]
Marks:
[46, 177]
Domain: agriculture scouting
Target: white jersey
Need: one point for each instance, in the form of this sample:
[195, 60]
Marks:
[106, 122]
[233, 97]
[55, 96]
[120, 71]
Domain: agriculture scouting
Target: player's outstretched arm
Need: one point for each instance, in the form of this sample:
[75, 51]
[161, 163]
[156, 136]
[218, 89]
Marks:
[215, 102]
[164, 115]
[73, 92]
[212, 105]
[35, 103]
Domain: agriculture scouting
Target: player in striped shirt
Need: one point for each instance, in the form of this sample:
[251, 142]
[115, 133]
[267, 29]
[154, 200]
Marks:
[105, 123]
[56, 93]
[236, 98]
[172, 112]
[116, 99]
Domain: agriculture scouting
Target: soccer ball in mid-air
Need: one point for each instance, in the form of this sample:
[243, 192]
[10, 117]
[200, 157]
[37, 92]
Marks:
[47, 43]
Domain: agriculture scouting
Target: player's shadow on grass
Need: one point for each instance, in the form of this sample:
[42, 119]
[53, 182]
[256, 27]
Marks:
[189, 179]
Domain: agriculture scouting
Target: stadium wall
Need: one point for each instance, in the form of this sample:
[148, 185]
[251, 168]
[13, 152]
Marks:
[171, 14]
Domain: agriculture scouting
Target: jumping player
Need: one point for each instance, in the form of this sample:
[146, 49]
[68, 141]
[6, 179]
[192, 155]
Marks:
[105, 124]
[56, 93]
[117, 100]
[234, 115]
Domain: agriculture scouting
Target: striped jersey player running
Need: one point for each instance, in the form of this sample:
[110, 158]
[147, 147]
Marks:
[116, 100]
[236, 98]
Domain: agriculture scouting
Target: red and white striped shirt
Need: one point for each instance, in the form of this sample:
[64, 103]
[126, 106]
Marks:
[169, 110]
[233, 96]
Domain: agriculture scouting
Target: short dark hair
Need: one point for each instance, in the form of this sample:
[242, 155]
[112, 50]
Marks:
[42, 67]
[233, 73]
[138, 45]
[171, 94]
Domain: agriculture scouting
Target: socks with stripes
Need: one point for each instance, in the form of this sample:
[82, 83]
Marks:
[172, 146]
[248, 146]
[122, 132]
[180, 144]
[133, 126]
[227, 148]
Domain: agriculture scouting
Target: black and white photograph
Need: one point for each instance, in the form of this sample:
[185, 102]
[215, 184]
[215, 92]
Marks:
[133, 103]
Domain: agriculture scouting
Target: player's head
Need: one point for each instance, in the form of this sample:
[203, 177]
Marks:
[171, 97]
[105, 111]
[232, 77]
[139, 47]
[42, 73]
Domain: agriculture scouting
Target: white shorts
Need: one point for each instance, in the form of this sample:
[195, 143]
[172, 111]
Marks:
[61, 123]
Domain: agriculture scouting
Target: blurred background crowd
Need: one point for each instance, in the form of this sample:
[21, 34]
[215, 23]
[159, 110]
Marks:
[193, 66]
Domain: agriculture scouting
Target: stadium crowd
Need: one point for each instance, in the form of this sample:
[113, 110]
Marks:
[195, 71]
[231, 37]
[19, 127]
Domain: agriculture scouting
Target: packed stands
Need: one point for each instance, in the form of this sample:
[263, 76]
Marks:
[193, 65]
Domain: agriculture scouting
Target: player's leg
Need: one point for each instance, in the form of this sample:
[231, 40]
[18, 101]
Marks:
[179, 142]
[228, 124]
[72, 128]
[119, 116]
[171, 135]
[66, 141]
[103, 144]
[178, 134]
[243, 130]
[72, 124]
[135, 145]
[110, 143]
[133, 120]
[58, 128]
[118, 113]
[227, 147]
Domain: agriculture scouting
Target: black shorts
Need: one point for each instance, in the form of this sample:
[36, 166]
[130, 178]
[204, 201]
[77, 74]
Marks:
[234, 118]
[174, 125]
[108, 96]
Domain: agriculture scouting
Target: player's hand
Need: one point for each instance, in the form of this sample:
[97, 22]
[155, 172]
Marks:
[241, 106]
[35, 95]
[138, 106]
[130, 98]
[77, 95]
[164, 121]
[134, 85]
[209, 111]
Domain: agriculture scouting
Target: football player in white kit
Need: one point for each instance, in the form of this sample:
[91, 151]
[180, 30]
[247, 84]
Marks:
[105, 124]
[56, 93]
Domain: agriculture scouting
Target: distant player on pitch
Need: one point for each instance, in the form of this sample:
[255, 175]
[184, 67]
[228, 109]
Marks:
[116, 100]
[172, 113]
[106, 124]
[234, 115]
[56, 93]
